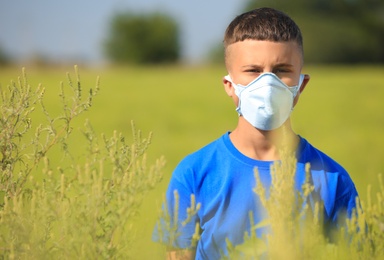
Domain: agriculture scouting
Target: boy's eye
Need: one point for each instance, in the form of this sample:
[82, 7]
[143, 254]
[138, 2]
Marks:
[280, 70]
[253, 71]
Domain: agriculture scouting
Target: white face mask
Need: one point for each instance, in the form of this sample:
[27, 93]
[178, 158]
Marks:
[266, 102]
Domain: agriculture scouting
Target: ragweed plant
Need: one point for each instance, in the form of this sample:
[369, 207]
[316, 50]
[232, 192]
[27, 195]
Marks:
[290, 219]
[19, 101]
[296, 228]
[168, 226]
[84, 211]
[294, 225]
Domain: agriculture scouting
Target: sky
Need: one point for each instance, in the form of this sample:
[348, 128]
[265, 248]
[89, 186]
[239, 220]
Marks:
[75, 29]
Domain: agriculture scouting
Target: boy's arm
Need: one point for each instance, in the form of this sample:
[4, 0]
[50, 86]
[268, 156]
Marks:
[183, 254]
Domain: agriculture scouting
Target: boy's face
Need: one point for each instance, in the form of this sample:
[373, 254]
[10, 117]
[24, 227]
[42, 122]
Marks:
[246, 60]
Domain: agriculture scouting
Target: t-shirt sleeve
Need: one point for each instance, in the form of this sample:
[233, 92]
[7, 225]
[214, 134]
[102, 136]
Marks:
[177, 225]
[346, 195]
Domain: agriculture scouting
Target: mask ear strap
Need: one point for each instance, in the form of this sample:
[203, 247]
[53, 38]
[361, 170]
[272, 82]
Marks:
[297, 88]
[301, 80]
[228, 78]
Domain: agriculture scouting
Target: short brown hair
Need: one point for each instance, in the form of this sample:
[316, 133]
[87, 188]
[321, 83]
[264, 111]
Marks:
[265, 24]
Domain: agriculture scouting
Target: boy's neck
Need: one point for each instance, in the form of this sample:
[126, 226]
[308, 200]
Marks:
[263, 145]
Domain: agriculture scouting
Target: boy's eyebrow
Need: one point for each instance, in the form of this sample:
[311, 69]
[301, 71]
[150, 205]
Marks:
[251, 66]
[283, 65]
[278, 65]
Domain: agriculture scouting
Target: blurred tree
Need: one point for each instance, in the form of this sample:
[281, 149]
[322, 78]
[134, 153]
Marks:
[336, 31]
[4, 59]
[142, 39]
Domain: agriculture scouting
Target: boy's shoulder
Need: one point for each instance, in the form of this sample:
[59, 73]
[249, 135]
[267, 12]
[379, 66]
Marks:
[319, 160]
[206, 152]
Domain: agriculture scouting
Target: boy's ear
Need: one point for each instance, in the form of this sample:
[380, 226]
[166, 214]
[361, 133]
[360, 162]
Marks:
[229, 89]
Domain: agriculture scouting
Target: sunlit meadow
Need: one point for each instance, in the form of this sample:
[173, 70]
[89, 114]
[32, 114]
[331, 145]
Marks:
[340, 112]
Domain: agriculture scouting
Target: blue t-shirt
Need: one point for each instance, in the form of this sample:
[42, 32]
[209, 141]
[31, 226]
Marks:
[222, 180]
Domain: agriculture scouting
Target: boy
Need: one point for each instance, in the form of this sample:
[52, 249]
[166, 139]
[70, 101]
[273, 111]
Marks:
[264, 58]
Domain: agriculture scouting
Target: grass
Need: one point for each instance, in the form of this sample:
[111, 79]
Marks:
[340, 112]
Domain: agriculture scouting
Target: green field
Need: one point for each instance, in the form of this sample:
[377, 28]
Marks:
[340, 112]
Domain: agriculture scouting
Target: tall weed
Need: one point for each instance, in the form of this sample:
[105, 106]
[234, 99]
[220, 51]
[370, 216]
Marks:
[294, 224]
[296, 227]
[84, 211]
[22, 146]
